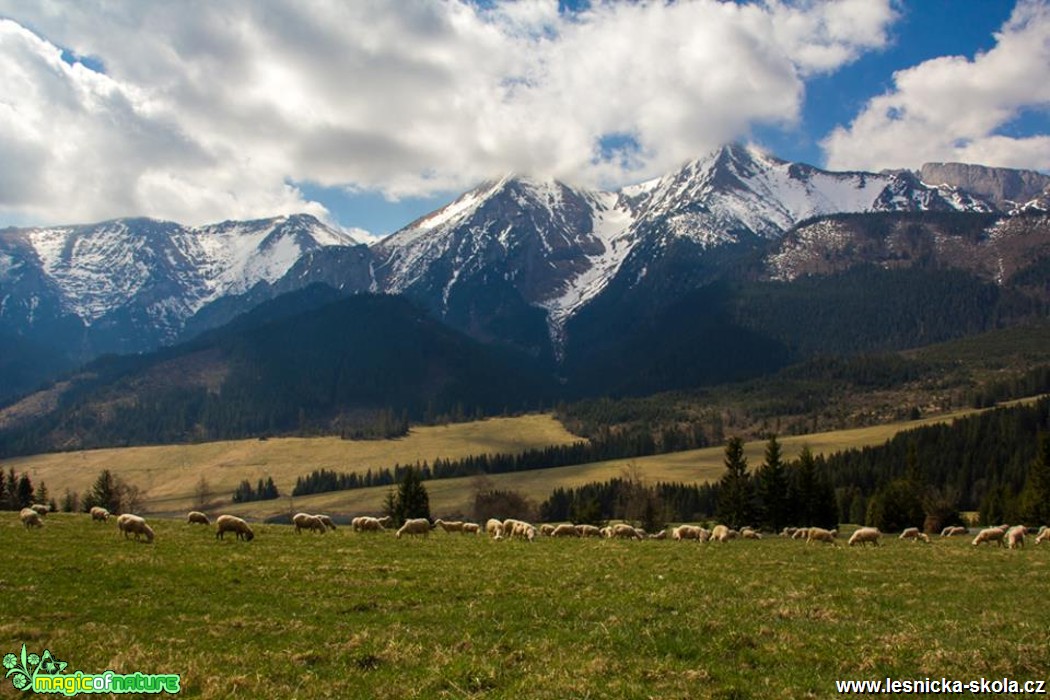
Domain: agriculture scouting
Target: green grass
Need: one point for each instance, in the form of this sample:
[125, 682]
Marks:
[368, 616]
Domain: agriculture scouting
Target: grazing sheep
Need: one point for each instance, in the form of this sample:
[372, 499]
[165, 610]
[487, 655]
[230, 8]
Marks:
[1044, 534]
[749, 534]
[788, 531]
[565, 530]
[231, 523]
[520, 529]
[624, 531]
[41, 509]
[686, 532]
[588, 531]
[954, 530]
[864, 535]
[195, 516]
[133, 524]
[494, 528]
[415, 526]
[30, 518]
[386, 521]
[327, 520]
[721, 533]
[606, 532]
[909, 533]
[449, 526]
[471, 529]
[819, 534]
[662, 535]
[305, 521]
[546, 529]
[1015, 536]
[367, 523]
[800, 533]
[98, 513]
[990, 534]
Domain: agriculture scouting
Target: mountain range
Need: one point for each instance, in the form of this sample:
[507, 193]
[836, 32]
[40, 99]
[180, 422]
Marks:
[684, 279]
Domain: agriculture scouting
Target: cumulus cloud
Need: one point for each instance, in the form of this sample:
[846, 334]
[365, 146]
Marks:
[955, 108]
[208, 109]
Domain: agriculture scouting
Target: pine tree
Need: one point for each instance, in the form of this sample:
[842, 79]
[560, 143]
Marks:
[412, 498]
[1035, 498]
[42, 495]
[105, 492]
[771, 486]
[735, 492]
[12, 489]
[25, 492]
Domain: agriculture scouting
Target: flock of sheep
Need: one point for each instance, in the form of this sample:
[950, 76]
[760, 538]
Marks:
[128, 524]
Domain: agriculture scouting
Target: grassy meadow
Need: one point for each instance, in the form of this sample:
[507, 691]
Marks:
[368, 616]
[168, 474]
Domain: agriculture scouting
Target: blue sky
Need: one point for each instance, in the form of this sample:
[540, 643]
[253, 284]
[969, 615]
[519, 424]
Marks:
[372, 115]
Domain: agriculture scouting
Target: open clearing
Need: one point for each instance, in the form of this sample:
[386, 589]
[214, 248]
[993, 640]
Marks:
[369, 616]
[168, 474]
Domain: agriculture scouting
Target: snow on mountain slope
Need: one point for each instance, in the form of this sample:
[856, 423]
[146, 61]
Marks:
[167, 269]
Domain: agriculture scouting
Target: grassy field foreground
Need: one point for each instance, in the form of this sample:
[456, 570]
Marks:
[368, 616]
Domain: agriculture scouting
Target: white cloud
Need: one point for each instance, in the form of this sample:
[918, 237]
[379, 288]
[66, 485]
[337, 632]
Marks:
[207, 109]
[954, 108]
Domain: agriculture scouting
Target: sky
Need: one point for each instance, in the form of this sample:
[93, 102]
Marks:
[372, 113]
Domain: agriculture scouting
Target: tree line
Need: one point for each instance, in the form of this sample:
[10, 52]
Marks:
[607, 445]
[776, 494]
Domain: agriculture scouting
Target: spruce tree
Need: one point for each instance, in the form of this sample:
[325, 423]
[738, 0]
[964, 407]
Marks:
[1035, 498]
[412, 498]
[735, 490]
[772, 487]
[25, 492]
[105, 493]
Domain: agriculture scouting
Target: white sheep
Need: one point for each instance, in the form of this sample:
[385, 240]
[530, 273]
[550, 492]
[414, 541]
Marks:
[415, 526]
[546, 529]
[1044, 534]
[471, 529]
[800, 533]
[195, 516]
[565, 530]
[30, 518]
[367, 523]
[685, 532]
[99, 514]
[494, 528]
[819, 534]
[327, 520]
[750, 534]
[521, 530]
[134, 525]
[909, 533]
[624, 531]
[722, 533]
[588, 531]
[788, 531]
[1015, 536]
[305, 521]
[662, 535]
[42, 509]
[864, 535]
[231, 523]
[954, 531]
[449, 526]
[990, 534]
